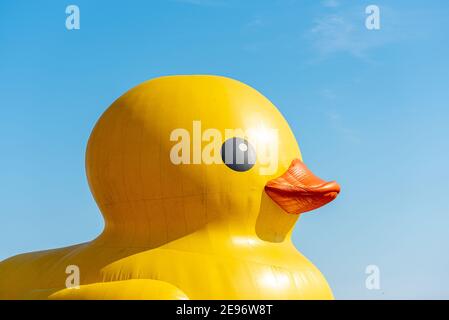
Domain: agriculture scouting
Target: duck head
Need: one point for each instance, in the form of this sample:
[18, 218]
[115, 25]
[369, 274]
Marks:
[180, 154]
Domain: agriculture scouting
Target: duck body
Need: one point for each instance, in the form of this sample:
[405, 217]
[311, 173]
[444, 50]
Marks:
[254, 271]
[184, 231]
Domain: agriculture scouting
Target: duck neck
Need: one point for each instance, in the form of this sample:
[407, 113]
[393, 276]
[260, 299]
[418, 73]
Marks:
[225, 236]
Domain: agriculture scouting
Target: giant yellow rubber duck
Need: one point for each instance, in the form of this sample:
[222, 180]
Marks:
[200, 182]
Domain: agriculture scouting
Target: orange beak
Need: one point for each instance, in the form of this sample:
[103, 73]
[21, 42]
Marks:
[298, 190]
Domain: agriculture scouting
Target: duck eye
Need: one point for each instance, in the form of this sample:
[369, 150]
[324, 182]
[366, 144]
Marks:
[238, 154]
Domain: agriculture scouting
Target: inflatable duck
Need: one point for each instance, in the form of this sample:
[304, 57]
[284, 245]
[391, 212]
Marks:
[194, 206]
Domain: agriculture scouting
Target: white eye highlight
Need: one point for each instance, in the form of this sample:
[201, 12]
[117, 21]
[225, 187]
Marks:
[243, 147]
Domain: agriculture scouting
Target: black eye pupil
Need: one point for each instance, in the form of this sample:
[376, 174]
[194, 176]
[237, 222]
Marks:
[238, 154]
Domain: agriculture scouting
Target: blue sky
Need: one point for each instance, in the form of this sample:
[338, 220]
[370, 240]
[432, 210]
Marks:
[370, 109]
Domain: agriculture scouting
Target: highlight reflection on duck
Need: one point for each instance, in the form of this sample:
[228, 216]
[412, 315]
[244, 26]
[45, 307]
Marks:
[216, 230]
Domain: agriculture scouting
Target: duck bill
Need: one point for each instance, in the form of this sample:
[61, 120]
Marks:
[298, 190]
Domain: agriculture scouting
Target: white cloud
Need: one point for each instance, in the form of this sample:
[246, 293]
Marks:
[337, 124]
[331, 3]
[255, 23]
[333, 33]
[345, 32]
[202, 2]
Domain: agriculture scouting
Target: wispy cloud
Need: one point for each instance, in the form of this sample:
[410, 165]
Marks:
[335, 119]
[255, 23]
[334, 33]
[330, 3]
[344, 31]
[337, 123]
[202, 2]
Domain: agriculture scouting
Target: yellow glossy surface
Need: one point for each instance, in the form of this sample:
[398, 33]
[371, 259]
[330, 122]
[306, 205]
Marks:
[193, 231]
